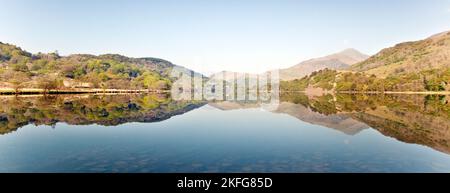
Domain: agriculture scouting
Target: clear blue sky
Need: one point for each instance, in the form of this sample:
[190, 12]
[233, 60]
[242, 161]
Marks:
[210, 35]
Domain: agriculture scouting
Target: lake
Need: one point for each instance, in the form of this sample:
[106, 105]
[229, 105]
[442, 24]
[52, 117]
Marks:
[153, 133]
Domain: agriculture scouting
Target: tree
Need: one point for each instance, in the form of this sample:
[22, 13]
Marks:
[68, 70]
[17, 79]
[118, 84]
[20, 67]
[48, 83]
[159, 85]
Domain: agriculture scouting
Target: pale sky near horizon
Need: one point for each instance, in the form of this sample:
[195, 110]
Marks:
[215, 35]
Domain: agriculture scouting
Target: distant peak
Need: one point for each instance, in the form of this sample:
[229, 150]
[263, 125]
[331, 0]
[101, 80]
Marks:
[351, 51]
[352, 54]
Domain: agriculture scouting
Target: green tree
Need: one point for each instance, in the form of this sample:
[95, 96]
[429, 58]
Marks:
[48, 83]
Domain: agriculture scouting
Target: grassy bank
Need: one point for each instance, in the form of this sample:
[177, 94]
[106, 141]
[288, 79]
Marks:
[31, 91]
[398, 92]
[376, 92]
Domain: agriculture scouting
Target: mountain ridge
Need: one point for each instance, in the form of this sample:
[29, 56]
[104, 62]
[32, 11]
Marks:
[338, 61]
[21, 69]
[406, 57]
[414, 66]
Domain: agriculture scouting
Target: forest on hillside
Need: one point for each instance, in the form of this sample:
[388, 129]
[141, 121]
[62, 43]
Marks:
[20, 69]
[428, 80]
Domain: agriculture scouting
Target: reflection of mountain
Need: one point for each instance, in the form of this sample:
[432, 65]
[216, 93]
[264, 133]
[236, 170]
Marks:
[89, 109]
[417, 119]
[423, 130]
[340, 122]
[414, 119]
[228, 105]
[410, 126]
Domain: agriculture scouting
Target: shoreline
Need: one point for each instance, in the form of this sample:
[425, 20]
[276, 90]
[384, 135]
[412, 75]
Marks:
[33, 91]
[401, 92]
[387, 92]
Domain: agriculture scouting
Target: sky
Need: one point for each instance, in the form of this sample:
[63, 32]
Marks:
[213, 35]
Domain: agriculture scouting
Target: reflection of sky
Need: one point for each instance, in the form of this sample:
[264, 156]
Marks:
[211, 140]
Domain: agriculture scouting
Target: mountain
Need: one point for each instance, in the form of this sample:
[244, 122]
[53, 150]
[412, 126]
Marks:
[21, 69]
[409, 57]
[341, 60]
[419, 66]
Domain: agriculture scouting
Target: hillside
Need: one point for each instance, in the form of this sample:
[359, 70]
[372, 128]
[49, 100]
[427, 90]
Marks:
[341, 60]
[21, 69]
[409, 57]
[412, 66]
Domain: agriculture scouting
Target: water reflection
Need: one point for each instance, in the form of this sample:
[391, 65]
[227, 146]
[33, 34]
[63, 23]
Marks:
[415, 119]
[144, 134]
[108, 110]
[418, 119]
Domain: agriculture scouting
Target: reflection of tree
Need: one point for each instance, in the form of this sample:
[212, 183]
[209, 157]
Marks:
[410, 118]
[16, 112]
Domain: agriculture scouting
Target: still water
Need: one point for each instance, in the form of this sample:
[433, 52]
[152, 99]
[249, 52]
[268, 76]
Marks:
[152, 133]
